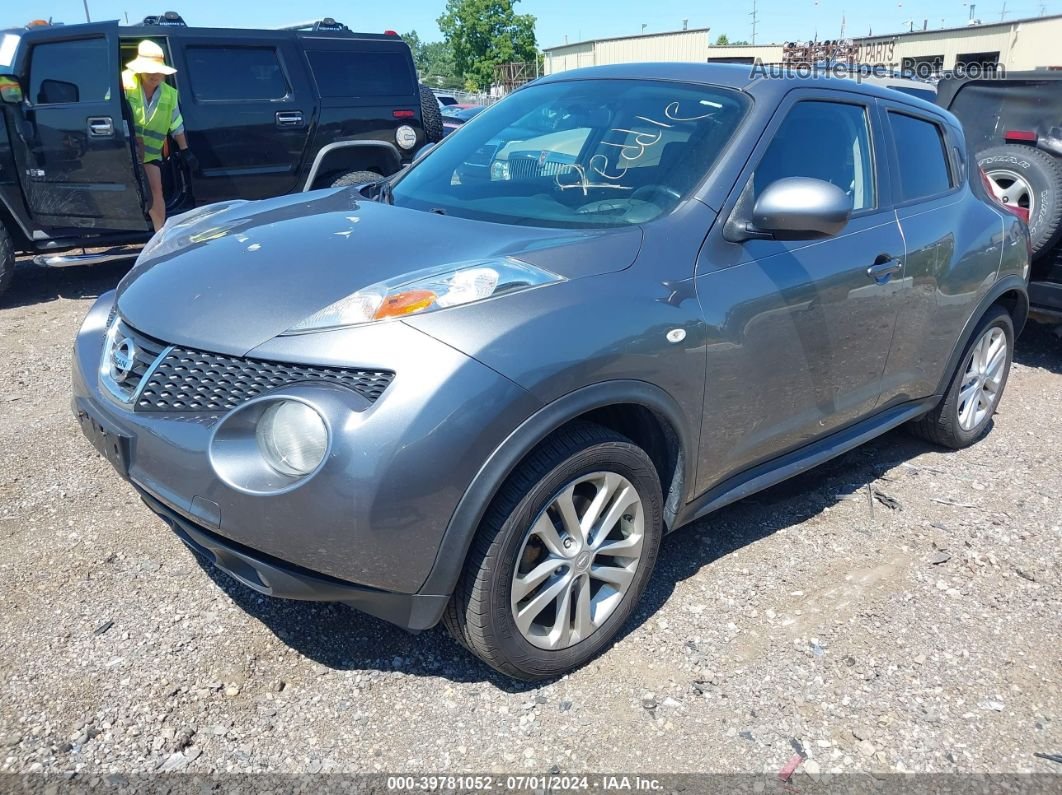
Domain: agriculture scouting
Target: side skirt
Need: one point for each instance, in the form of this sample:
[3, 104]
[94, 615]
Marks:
[775, 471]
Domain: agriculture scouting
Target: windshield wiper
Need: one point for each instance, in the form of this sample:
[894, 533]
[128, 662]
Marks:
[383, 192]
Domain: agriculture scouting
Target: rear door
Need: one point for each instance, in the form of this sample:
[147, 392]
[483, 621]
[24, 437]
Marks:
[77, 165]
[248, 108]
[954, 244]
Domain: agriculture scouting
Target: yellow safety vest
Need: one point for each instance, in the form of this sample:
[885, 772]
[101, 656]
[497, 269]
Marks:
[155, 129]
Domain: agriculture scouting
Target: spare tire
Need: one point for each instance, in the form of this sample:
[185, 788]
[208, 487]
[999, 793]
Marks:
[430, 115]
[1031, 180]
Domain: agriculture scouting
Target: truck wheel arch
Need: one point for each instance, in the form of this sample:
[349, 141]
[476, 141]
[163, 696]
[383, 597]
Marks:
[342, 156]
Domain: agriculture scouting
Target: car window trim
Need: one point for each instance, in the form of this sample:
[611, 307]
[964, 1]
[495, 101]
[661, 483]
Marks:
[883, 198]
[277, 51]
[30, 55]
[956, 184]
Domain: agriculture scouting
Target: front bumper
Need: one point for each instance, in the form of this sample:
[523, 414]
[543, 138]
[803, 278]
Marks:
[367, 527]
[278, 579]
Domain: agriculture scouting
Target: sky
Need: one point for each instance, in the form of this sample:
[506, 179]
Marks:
[561, 20]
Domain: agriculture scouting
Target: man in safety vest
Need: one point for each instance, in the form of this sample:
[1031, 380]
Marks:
[156, 114]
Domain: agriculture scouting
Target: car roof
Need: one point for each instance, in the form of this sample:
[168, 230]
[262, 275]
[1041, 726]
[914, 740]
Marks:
[769, 82]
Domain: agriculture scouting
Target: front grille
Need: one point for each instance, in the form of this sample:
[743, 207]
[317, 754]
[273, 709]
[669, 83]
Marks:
[190, 380]
[124, 383]
[522, 167]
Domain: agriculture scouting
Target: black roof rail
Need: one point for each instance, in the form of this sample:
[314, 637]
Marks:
[327, 24]
[169, 19]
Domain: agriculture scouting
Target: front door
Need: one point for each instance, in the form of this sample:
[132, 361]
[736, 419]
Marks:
[77, 164]
[800, 331]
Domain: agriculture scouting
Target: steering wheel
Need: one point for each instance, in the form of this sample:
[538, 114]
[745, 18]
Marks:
[645, 192]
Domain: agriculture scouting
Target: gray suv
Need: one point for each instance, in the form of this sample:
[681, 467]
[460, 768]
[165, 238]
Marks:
[482, 392]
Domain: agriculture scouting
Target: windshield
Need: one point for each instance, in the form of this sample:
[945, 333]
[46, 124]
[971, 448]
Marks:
[464, 114]
[586, 153]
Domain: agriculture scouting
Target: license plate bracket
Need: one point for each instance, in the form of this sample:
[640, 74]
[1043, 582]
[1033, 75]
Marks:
[108, 441]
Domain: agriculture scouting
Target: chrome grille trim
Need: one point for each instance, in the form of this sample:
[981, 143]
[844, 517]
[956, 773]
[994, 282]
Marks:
[148, 352]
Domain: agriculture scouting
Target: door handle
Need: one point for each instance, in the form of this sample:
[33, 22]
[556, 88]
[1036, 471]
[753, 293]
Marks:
[289, 118]
[884, 266]
[101, 126]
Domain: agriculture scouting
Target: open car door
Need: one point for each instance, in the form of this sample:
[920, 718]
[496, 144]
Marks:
[79, 169]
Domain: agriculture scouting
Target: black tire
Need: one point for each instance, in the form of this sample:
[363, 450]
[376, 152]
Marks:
[941, 425]
[1043, 173]
[480, 615]
[7, 260]
[430, 116]
[356, 178]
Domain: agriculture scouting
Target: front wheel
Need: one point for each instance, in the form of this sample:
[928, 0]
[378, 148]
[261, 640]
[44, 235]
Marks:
[965, 413]
[562, 556]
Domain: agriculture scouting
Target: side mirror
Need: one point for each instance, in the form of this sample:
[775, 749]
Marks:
[10, 89]
[801, 207]
[423, 151]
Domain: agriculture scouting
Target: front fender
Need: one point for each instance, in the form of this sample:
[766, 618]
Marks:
[492, 475]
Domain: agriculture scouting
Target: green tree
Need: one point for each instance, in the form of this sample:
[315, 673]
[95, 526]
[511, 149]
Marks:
[434, 61]
[484, 33]
[722, 41]
[415, 45]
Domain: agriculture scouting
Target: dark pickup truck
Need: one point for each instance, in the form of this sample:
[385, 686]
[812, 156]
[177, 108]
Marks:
[266, 112]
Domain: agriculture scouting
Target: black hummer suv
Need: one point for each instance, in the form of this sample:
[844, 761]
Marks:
[1013, 122]
[266, 112]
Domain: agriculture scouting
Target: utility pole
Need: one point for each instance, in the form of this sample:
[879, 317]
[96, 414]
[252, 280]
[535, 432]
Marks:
[755, 19]
[87, 17]
[1003, 13]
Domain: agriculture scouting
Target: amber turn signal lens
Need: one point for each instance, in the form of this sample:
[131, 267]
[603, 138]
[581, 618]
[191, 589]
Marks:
[405, 303]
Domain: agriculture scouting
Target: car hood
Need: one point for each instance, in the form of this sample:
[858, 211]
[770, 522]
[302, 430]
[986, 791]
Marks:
[229, 277]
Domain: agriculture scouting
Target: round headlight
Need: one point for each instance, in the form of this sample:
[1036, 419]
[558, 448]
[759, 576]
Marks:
[292, 438]
[406, 136]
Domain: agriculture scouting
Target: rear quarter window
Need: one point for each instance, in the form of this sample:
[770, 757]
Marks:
[351, 74]
[235, 73]
[923, 160]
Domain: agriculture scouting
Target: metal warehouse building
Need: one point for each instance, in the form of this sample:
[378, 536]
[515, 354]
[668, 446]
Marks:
[679, 45]
[1018, 45]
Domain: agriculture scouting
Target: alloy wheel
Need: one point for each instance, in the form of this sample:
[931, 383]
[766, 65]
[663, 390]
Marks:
[982, 379]
[578, 560]
[1012, 190]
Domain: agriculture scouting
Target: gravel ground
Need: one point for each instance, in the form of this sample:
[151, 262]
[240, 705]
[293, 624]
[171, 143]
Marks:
[897, 609]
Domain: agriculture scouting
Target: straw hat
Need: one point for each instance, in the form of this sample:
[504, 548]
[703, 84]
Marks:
[150, 59]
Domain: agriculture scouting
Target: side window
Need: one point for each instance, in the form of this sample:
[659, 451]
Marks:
[70, 71]
[823, 140]
[922, 157]
[235, 73]
[343, 73]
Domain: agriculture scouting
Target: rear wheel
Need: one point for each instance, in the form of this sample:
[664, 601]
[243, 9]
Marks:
[430, 116]
[7, 260]
[1030, 180]
[965, 413]
[562, 556]
[356, 178]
